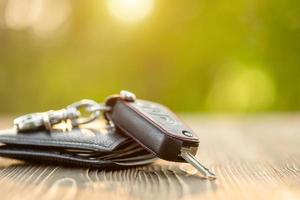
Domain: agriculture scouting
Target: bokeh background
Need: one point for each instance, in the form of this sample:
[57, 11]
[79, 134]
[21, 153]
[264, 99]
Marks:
[238, 56]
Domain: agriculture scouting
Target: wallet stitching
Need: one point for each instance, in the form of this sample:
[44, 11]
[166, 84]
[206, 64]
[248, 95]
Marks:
[58, 142]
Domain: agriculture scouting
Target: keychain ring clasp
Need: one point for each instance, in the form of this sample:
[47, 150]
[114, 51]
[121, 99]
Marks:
[72, 112]
[89, 106]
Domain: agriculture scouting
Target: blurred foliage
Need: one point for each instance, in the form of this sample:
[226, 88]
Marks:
[193, 55]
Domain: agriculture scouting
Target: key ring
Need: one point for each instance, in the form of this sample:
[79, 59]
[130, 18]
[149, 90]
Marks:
[90, 106]
[72, 112]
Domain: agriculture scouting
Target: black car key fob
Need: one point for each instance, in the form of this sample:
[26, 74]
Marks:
[156, 128]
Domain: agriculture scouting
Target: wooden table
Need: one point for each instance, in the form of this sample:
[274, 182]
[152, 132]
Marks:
[254, 157]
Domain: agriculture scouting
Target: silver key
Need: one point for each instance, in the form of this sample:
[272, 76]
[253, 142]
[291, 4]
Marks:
[190, 158]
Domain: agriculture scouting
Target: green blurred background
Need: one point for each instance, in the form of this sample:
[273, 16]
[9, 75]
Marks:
[238, 56]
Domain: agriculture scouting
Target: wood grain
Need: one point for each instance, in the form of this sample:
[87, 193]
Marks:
[254, 158]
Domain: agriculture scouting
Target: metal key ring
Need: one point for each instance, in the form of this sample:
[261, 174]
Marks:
[86, 104]
[29, 121]
[72, 112]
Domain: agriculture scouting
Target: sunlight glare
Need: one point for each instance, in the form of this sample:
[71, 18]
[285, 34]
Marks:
[130, 10]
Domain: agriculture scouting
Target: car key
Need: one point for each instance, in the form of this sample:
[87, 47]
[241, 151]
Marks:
[156, 128]
[152, 125]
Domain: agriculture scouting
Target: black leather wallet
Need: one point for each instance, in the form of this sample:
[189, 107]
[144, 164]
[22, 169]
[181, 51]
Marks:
[89, 147]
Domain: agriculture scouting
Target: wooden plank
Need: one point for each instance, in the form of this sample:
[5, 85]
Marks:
[253, 157]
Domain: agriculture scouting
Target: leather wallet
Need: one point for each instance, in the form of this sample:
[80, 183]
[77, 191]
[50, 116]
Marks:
[90, 147]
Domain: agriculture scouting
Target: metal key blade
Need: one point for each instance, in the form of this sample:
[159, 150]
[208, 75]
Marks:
[190, 158]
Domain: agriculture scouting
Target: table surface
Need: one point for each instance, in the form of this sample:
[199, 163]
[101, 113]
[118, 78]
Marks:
[254, 157]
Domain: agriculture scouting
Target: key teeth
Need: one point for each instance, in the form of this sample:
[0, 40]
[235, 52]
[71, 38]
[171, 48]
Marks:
[211, 176]
[190, 158]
